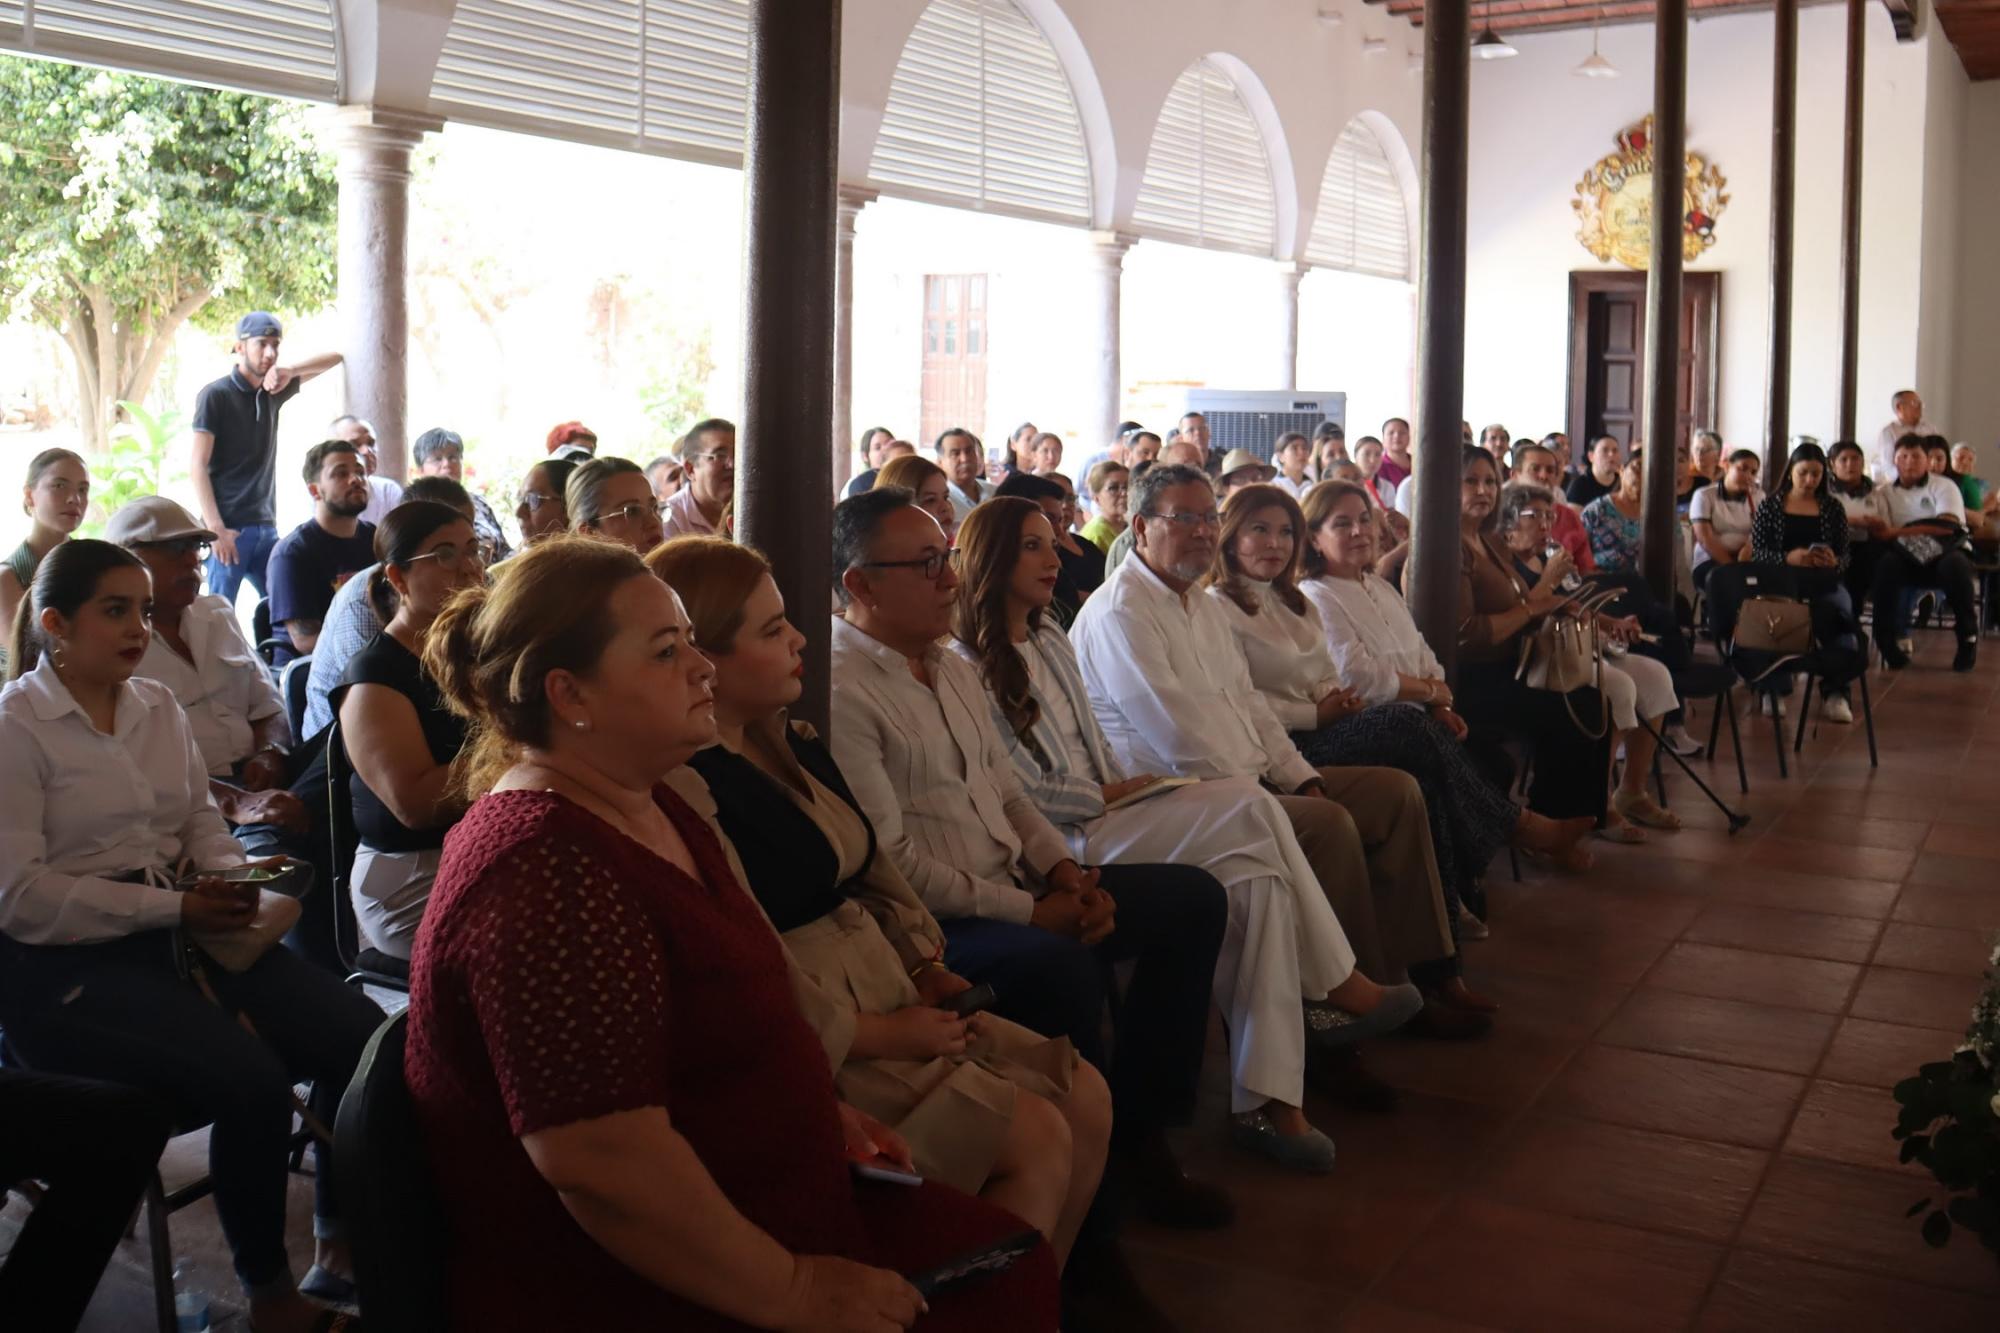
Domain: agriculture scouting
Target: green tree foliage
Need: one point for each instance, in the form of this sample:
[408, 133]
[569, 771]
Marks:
[129, 206]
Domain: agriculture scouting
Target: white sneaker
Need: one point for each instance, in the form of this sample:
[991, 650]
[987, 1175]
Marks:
[1906, 646]
[1678, 740]
[1836, 708]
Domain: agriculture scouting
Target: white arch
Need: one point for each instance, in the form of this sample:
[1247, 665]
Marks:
[1362, 218]
[1284, 180]
[1397, 150]
[1099, 145]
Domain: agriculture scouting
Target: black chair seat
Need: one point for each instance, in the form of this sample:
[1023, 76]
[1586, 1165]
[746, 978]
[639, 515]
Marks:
[394, 1213]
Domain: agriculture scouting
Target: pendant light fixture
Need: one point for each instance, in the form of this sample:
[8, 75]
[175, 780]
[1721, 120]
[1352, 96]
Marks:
[1490, 45]
[1595, 66]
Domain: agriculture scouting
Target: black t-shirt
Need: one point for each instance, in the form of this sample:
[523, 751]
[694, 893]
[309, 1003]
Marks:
[1083, 567]
[307, 568]
[1803, 530]
[386, 662]
[1585, 487]
[243, 466]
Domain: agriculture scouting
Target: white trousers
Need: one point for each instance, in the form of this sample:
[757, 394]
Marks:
[389, 891]
[1637, 687]
[1283, 943]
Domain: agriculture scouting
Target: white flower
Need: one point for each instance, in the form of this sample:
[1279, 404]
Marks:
[1996, 1104]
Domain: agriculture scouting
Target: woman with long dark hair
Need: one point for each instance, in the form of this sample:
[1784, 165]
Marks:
[1802, 525]
[112, 896]
[1283, 944]
[395, 729]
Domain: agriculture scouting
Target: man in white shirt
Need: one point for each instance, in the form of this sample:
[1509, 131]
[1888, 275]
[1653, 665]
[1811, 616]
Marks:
[383, 494]
[915, 739]
[1908, 419]
[1931, 510]
[708, 452]
[964, 465]
[1171, 689]
[198, 651]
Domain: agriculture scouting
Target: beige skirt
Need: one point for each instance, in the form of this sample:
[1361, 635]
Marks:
[953, 1111]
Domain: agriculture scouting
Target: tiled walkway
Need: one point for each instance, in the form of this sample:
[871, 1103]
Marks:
[1682, 1118]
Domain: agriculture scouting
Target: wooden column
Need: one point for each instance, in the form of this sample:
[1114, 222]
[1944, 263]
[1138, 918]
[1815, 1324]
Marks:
[1784, 186]
[1850, 224]
[1663, 293]
[784, 490]
[1432, 579]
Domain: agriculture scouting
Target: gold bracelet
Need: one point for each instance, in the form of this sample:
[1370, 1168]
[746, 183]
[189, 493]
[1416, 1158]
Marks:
[926, 964]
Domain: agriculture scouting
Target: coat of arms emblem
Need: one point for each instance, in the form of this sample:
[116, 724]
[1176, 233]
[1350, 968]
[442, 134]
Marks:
[1614, 202]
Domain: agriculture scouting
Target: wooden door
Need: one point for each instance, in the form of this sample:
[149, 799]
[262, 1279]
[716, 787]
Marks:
[1607, 336]
[956, 338]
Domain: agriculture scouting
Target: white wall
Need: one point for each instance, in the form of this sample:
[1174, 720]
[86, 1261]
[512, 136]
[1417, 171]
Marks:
[1536, 129]
[1976, 399]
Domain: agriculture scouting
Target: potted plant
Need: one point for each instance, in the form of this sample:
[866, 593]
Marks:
[1950, 1122]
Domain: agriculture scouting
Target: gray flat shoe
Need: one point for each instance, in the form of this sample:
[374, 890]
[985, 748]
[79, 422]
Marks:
[1309, 1154]
[1328, 1026]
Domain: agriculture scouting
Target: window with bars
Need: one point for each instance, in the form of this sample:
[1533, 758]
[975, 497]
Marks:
[1362, 225]
[980, 114]
[660, 76]
[282, 47]
[1208, 174]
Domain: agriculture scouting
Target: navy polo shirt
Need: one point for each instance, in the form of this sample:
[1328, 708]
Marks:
[243, 465]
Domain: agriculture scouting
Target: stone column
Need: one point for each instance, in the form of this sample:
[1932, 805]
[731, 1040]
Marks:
[848, 208]
[784, 501]
[1107, 384]
[1432, 577]
[1289, 273]
[373, 146]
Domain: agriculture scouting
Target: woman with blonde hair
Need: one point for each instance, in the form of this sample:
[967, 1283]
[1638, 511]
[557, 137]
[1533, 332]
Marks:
[611, 498]
[1285, 964]
[981, 1102]
[924, 480]
[605, 1046]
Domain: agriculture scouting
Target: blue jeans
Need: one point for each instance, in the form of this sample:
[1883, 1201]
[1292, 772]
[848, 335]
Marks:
[253, 553]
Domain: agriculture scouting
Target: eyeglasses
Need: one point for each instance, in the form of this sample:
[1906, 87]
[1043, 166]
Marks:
[1190, 521]
[179, 546]
[1116, 488]
[535, 500]
[451, 558]
[631, 513]
[1538, 515]
[725, 457]
[932, 565]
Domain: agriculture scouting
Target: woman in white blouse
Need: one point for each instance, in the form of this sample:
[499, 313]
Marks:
[1340, 662]
[1283, 944]
[103, 804]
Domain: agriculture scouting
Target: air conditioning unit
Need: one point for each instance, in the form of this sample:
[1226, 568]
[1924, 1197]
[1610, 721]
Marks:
[1253, 419]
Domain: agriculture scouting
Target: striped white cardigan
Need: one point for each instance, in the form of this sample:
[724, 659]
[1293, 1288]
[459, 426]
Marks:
[1063, 793]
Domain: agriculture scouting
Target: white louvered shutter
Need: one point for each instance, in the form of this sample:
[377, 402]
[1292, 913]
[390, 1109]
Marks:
[1208, 176]
[283, 47]
[1361, 225]
[980, 115]
[660, 76]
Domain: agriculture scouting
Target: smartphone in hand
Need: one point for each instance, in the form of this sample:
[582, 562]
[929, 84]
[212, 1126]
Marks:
[966, 1003]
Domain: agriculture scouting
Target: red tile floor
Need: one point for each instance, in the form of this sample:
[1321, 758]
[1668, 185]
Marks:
[1681, 1120]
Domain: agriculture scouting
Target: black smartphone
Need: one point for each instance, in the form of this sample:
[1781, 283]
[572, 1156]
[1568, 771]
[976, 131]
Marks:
[969, 1002]
[995, 1258]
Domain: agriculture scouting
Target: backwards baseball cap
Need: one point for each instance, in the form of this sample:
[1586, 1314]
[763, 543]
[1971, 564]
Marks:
[153, 518]
[1238, 459]
[572, 432]
[259, 324]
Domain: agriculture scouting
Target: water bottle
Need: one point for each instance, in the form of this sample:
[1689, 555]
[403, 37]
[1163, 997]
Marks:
[1570, 583]
[190, 1301]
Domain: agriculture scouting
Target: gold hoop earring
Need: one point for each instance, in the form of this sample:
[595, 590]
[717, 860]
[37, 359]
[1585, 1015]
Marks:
[56, 654]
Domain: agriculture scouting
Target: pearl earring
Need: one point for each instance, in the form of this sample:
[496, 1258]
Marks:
[583, 724]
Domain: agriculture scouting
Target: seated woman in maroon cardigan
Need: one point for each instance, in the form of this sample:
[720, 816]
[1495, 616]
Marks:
[633, 1126]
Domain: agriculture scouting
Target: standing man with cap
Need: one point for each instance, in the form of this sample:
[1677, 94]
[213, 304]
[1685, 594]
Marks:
[236, 452]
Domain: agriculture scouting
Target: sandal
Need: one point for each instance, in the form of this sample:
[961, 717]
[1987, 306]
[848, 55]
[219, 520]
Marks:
[1628, 834]
[1576, 861]
[1643, 809]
